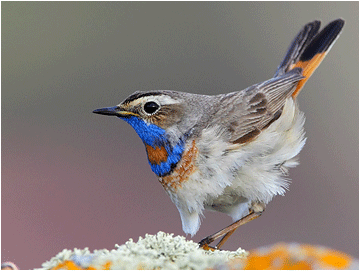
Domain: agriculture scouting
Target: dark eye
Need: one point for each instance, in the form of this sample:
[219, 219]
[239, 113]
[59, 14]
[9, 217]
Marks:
[151, 107]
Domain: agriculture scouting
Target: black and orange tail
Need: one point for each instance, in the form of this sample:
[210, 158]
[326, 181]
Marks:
[309, 48]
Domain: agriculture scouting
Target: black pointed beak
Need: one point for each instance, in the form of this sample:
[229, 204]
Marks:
[115, 111]
[109, 111]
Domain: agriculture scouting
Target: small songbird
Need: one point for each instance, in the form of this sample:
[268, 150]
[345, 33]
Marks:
[230, 152]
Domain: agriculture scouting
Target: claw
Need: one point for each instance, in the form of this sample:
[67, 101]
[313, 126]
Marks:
[206, 241]
[207, 247]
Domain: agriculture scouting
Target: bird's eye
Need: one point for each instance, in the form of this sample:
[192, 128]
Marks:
[151, 107]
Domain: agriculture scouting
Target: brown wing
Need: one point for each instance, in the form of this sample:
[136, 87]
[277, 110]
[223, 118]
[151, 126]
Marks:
[246, 113]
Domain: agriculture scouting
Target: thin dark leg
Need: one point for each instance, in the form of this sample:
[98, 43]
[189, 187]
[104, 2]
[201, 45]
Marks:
[224, 239]
[204, 243]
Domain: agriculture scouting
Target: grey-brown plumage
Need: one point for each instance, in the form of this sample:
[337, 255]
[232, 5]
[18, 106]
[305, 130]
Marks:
[247, 112]
[230, 152]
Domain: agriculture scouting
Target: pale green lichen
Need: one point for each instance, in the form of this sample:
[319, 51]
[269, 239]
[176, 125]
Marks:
[160, 251]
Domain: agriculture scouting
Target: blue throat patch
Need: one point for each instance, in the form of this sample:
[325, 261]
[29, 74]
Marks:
[155, 137]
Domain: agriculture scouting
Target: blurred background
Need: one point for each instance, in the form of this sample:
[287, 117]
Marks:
[71, 178]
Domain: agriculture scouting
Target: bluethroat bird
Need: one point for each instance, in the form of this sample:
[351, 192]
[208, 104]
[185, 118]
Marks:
[231, 152]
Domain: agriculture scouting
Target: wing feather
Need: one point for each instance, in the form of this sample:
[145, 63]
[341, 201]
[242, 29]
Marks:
[247, 112]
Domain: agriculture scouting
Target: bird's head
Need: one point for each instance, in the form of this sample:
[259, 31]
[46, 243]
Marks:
[163, 120]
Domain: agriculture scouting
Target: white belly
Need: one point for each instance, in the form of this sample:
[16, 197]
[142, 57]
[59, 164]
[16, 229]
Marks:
[230, 176]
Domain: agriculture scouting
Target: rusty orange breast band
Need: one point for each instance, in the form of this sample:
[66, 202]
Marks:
[183, 170]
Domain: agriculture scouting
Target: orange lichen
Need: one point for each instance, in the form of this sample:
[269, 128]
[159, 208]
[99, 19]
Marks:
[70, 265]
[293, 257]
[107, 266]
[336, 259]
[67, 265]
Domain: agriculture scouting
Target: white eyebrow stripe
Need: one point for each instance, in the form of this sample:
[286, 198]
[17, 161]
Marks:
[160, 99]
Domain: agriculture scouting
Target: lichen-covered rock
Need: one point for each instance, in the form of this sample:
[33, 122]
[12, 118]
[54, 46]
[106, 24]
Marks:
[160, 251]
[164, 251]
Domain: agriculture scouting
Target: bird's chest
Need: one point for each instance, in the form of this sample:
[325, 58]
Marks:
[163, 157]
[183, 170]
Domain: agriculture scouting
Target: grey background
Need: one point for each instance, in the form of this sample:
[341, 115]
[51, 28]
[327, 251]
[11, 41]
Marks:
[71, 178]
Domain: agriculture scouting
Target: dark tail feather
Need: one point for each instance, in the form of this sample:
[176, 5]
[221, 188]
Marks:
[309, 48]
[297, 46]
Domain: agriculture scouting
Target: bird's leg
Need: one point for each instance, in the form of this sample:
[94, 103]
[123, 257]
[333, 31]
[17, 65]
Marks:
[224, 238]
[227, 231]
[255, 211]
